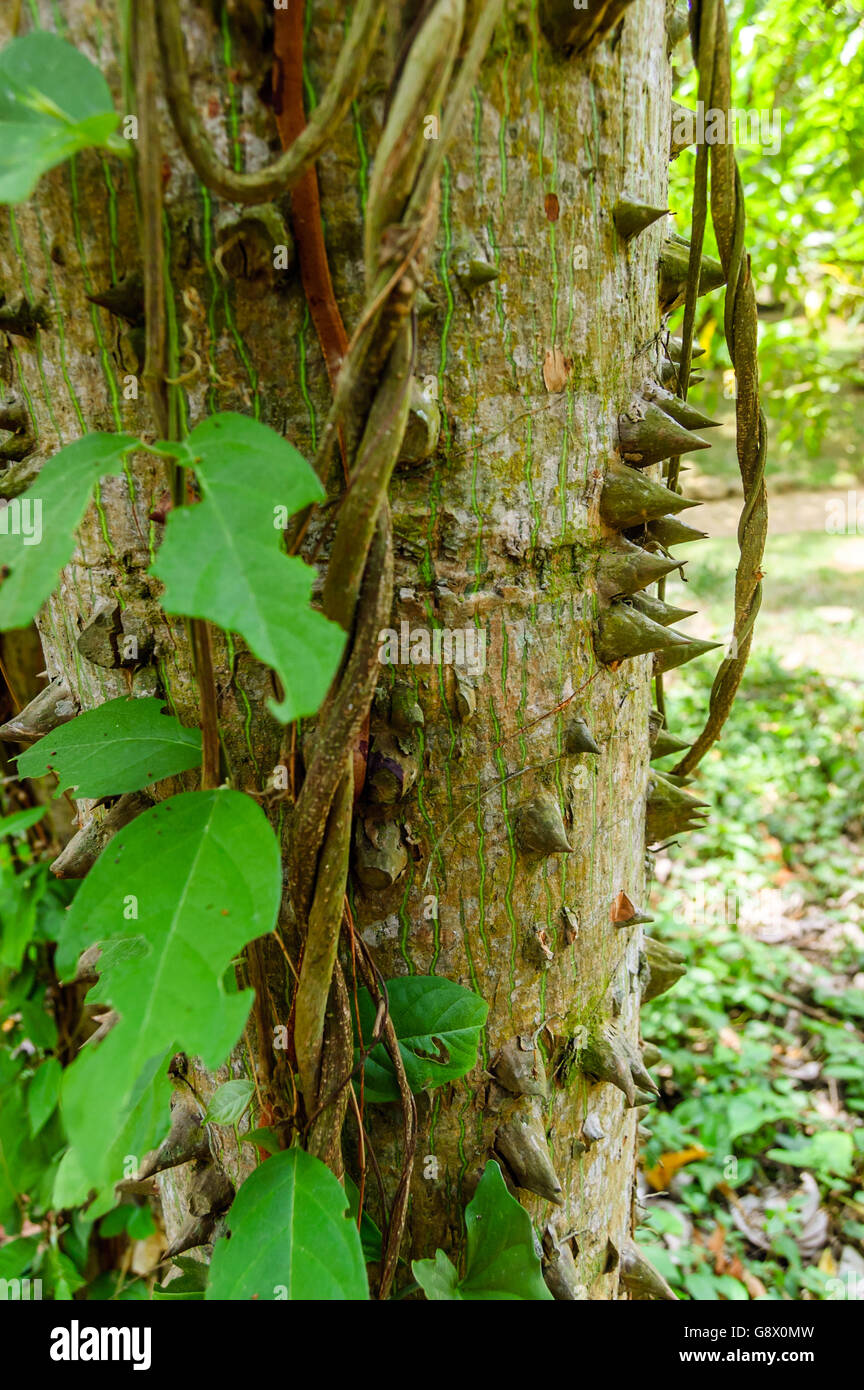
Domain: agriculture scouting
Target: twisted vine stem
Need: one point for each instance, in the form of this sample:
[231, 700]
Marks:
[710, 43]
[268, 183]
[371, 379]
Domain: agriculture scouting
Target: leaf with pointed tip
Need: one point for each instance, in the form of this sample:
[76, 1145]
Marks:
[501, 1263]
[190, 1285]
[229, 1103]
[53, 103]
[263, 1138]
[290, 1230]
[43, 1093]
[119, 747]
[223, 560]
[38, 538]
[438, 1024]
[187, 884]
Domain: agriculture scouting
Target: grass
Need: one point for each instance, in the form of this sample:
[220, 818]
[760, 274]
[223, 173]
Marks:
[812, 611]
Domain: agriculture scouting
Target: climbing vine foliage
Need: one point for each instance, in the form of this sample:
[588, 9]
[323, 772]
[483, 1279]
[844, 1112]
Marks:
[53, 103]
[222, 559]
[153, 938]
[175, 897]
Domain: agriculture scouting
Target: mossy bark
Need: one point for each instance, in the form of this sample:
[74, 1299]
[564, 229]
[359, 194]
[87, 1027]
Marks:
[498, 530]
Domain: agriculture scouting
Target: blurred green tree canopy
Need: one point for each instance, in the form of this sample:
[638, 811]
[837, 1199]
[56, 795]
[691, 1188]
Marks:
[804, 186]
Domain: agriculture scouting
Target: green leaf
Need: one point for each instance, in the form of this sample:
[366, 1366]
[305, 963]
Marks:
[827, 1152]
[223, 560]
[230, 1103]
[16, 1256]
[42, 522]
[53, 102]
[21, 1158]
[264, 1138]
[438, 1024]
[177, 895]
[370, 1235]
[19, 821]
[122, 746]
[291, 1237]
[500, 1260]
[61, 1275]
[140, 1224]
[43, 1094]
[438, 1278]
[20, 895]
[191, 1283]
[136, 1221]
[115, 1222]
[107, 1122]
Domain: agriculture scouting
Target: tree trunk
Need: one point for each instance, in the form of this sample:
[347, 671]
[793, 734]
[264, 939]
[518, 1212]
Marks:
[496, 532]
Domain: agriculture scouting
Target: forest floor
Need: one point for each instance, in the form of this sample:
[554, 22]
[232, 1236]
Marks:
[753, 1172]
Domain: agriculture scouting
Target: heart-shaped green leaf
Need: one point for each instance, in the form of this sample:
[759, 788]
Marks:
[37, 532]
[291, 1237]
[438, 1024]
[177, 895]
[230, 1103]
[500, 1260]
[122, 746]
[53, 102]
[223, 560]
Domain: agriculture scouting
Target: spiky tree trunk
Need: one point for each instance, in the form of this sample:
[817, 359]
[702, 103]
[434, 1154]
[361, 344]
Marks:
[492, 847]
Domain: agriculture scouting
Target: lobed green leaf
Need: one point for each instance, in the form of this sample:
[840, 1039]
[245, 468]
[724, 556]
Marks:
[223, 561]
[501, 1263]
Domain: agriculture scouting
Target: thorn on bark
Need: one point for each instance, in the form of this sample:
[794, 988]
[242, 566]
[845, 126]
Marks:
[125, 300]
[77, 858]
[577, 737]
[660, 967]
[647, 435]
[522, 1144]
[22, 318]
[667, 531]
[631, 218]
[186, 1140]
[622, 631]
[518, 1067]
[639, 1276]
[52, 707]
[420, 440]
[624, 913]
[380, 857]
[540, 826]
[680, 655]
[623, 568]
[391, 771]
